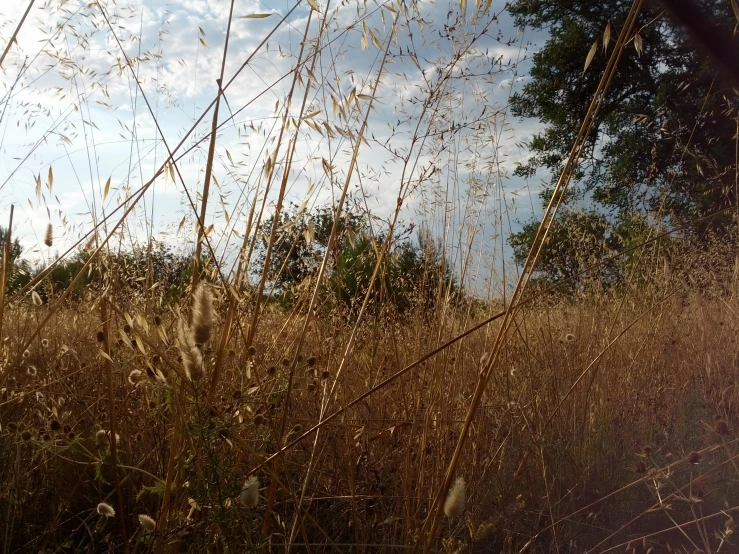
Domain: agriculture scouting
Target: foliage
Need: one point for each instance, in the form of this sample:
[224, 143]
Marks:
[301, 239]
[415, 274]
[18, 272]
[159, 271]
[662, 144]
[576, 241]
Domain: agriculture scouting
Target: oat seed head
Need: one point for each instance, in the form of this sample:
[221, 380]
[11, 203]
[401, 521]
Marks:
[249, 496]
[105, 510]
[455, 499]
[36, 299]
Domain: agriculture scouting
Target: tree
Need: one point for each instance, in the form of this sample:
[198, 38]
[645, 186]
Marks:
[301, 240]
[15, 246]
[576, 241]
[663, 143]
[18, 269]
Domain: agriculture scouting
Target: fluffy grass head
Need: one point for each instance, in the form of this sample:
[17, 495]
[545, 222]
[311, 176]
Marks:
[249, 496]
[147, 523]
[105, 509]
[455, 499]
[49, 238]
[202, 313]
[192, 359]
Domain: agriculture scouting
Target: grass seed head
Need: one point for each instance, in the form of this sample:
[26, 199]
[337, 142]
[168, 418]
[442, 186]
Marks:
[101, 438]
[455, 499]
[105, 509]
[49, 238]
[192, 359]
[249, 496]
[36, 299]
[134, 377]
[202, 313]
[147, 523]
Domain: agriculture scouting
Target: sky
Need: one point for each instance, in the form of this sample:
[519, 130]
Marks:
[94, 98]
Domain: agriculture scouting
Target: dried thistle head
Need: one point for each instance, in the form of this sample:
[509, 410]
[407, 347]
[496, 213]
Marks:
[192, 359]
[202, 313]
[249, 496]
[49, 238]
[720, 426]
[455, 499]
[694, 458]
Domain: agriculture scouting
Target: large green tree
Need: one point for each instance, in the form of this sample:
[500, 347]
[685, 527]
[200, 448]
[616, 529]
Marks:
[665, 141]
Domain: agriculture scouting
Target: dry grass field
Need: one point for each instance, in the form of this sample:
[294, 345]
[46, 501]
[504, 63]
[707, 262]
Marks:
[265, 287]
[609, 425]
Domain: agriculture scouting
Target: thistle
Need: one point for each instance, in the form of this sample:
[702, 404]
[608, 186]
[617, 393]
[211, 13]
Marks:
[202, 314]
[249, 496]
[105, 510]
[454, 504]
[49, 238]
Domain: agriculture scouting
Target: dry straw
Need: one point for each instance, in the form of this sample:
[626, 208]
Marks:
[454, 505]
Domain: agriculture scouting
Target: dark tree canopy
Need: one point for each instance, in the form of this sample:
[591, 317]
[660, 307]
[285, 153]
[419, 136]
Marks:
[665, 142]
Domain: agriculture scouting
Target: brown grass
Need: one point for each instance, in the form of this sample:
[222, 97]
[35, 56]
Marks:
[541, 465]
